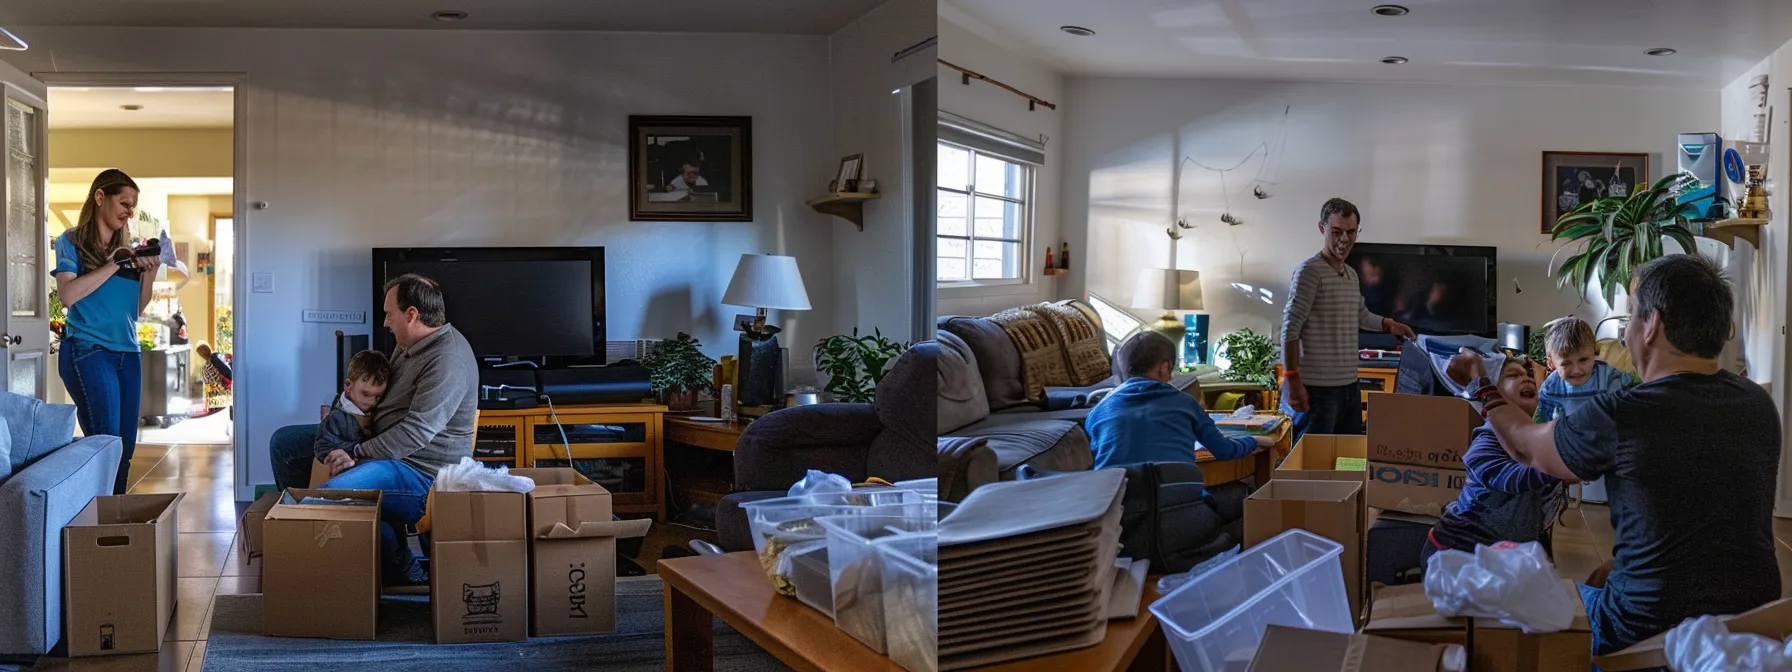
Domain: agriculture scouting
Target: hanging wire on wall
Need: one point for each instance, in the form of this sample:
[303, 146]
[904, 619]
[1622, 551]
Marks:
[1234, 212]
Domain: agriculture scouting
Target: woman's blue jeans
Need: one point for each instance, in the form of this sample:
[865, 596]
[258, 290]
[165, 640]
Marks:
[403, 490]
[107, 388]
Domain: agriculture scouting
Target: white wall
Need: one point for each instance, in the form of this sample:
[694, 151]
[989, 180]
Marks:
[358, 139]
[872, 280]
[969, 46]
[1432, 163]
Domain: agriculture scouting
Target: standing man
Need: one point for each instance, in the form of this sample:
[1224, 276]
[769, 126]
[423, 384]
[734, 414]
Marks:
[1319, 330]
[1689, 457]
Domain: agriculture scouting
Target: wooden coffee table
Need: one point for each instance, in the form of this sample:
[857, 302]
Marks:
[732, 587]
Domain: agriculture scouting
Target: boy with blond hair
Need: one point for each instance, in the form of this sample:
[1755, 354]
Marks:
[1577, 375]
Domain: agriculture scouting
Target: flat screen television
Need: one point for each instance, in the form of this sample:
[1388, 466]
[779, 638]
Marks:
[1439, 290]
[537, 304]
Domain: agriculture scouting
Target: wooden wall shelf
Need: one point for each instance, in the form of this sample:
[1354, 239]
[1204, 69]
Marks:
[849, 206]
[1726, 231]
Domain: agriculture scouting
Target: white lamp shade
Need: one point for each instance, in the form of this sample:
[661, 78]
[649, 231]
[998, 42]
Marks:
[1165, 289]
[767, 281]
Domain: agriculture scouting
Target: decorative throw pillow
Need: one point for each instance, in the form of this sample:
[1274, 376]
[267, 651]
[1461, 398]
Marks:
[961, 397]
[1084, 356]
[1041, 351]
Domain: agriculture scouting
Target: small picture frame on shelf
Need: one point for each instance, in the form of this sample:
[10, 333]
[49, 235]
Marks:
[850, 166]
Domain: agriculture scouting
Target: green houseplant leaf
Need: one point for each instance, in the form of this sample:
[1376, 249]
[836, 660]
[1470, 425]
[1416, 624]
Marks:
[676, 365]
[1251, 357]
[854, 364]
[1612, 237]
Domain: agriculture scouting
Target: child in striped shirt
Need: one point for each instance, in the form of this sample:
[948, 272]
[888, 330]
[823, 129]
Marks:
[1578, 375]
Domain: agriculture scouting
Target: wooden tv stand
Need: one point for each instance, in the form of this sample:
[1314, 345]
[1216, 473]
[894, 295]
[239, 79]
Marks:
[618, 445]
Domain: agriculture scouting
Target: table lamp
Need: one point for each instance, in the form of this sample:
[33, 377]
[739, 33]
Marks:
[763, 282]
[1168, 290]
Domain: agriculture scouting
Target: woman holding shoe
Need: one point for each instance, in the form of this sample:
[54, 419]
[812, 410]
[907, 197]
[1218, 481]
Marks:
[105, 287]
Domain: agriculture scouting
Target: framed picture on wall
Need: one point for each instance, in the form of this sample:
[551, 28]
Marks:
[1571, 179]
[690, 169]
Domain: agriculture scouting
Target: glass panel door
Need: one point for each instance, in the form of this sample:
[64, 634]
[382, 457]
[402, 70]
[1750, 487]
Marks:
[26, 337]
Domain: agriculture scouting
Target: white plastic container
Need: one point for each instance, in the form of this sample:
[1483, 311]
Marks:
[765, 517]
[855, 570]
[911, 599]
[1215, 621]
[809, 576]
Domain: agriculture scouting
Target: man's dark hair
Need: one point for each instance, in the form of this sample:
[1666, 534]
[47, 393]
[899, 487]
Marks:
[371, 366]
[1339, 207]
[1143, 351]
[416, 291]
[1692, 298]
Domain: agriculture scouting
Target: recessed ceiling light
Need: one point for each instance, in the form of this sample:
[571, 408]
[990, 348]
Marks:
[449, 15]
[1078, 31]
[1661, 51]
[1394, 60]
[130, 108]
[1390, 10]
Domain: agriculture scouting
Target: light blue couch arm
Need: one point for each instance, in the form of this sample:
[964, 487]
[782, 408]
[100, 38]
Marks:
[34, 505]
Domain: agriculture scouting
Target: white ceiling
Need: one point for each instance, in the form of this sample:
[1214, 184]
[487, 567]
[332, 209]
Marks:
[815, 17]
[162, 108]
[1480, 41]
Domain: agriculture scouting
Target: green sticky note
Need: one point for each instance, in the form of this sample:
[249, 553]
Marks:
[1351, 464]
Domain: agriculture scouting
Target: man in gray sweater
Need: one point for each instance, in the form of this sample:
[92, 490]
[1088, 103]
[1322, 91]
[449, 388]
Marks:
[424, 423]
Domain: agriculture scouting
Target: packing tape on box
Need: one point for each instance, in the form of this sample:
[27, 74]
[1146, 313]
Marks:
[323, 532]
[1353, 654]
[480, 554]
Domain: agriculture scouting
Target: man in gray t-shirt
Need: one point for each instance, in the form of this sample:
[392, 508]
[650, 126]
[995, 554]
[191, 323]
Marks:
[1319, 330]
[1690, 459]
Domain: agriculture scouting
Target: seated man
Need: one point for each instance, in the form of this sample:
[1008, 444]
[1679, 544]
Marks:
[1690, 459]
[1503, 500]
[424, 423]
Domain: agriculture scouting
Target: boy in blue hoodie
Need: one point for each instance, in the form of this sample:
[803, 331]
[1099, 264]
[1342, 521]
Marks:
[1147, 420]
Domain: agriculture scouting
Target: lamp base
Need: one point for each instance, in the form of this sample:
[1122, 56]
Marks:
[1171, 327]
[760, 366]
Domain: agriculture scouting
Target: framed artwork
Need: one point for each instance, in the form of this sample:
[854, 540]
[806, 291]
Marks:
[848, 178]
[1571, 179]
[690, 169]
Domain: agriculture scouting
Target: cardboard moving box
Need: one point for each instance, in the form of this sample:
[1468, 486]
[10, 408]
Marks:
[1315, 458]
[1286, 649]
[118, 569]
[479, 566]
[320, 573]
[250, 528]
[1499, 648]
[1331, 509]
[572, 553]
[1405, 613]
[320, 474]
[1420, 430]
[1772, 620]
[1406, 488]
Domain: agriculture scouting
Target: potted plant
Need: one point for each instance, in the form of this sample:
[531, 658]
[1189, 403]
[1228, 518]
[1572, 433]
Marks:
[1617, 235]
[678, 369]
[1250, 358]
[854, 364]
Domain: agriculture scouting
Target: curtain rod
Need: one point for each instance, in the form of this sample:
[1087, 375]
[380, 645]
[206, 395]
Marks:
[967, 75]
[923, 44]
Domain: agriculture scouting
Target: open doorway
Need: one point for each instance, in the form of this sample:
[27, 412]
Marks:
[178, 144]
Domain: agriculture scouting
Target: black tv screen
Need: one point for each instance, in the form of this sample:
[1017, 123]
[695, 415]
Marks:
[542, 304]
[1443, 290]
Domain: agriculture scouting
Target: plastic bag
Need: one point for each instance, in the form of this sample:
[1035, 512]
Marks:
[1512, 583]
[471, 476]
[1441, 348]
[1705, 644]
[819, 483]
[1244, 412]
[1173, 581]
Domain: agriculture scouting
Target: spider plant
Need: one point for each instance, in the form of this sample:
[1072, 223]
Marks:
[1616, 235]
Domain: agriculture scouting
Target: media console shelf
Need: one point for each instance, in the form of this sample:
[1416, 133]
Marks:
[619, 446]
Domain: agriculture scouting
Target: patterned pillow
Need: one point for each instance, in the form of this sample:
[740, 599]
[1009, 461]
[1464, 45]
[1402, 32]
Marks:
[1083, 353]
[1041, 352]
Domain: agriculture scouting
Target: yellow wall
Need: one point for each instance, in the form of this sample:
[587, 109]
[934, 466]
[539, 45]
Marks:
[146, 152]
[189, 221]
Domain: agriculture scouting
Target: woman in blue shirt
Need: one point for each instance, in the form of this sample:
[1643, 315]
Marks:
[101, 365]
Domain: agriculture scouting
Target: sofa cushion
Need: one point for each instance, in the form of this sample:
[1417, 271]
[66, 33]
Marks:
[1050, 441]
[998, 361]
[1042, 361]
[1081, 341]
[961, 397]
[35, 428]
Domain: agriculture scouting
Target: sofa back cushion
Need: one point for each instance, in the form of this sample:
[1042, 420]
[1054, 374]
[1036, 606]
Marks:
[961, 398]
[1081, 341]
[1042, 361]
[905, 405]
[34, 429]
[998, 361]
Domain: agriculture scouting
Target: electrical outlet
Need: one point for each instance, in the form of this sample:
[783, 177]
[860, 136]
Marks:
[261, 282]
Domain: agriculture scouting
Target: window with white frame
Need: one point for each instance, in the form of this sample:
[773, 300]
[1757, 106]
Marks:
[984, 224]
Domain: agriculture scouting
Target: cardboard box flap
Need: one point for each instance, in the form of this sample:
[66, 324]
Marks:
[478, 516]
[552, 476]
[1397, 608]
[1420, 429]
[108, 511]
[289, 506]
[621, 529]
[1772, 620]
[1286, 649]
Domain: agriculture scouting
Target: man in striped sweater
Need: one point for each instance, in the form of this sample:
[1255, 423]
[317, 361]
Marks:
[1319, 330]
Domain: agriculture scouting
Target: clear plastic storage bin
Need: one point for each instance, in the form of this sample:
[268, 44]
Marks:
[855, 570]
[792, 519]
[928, 487]
[1215, 621]
[809, 577]
[911, 599]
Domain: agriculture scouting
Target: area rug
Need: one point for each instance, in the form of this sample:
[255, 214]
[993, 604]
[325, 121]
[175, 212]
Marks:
[405, 642]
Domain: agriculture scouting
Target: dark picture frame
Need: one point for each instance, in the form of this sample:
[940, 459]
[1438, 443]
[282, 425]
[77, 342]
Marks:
[1569, 178]
[665, 151]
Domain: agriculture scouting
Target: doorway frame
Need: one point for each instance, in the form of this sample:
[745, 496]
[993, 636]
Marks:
[240, 484]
